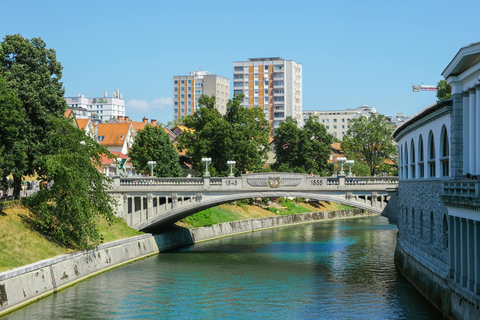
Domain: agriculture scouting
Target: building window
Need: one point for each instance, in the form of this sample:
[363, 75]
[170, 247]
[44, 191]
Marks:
[431, 155]
[421, 167]
[445, 152]
[334, 120]
[266, 68]
[412, 159]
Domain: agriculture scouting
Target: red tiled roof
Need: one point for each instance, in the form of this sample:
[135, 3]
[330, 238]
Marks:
[112, 134]
[106, 160]
[82, 123]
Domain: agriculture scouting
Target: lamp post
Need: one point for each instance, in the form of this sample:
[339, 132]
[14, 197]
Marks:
[341, 160]
[207, 162]
[350, 163]
[152, 165]
[231, 164]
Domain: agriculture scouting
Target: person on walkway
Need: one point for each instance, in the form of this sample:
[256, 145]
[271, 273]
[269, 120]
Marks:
[24, 188]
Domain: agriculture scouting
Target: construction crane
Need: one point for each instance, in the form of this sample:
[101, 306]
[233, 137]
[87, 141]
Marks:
[417, 88]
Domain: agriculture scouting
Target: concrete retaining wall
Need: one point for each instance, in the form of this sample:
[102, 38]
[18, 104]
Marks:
[23, 285]
[26, 284]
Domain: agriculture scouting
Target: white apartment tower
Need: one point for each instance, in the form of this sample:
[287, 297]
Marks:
[187, 90]
[103, 108]
[273, 84]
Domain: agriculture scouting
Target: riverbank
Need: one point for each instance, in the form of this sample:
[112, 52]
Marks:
[30, 283]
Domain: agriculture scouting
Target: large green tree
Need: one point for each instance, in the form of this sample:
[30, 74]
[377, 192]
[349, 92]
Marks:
[303, 150]
[444, 91]
[12, 142]
[369, 140]
[33, 74]
[242, 135]
[67, 211]
[153, 144]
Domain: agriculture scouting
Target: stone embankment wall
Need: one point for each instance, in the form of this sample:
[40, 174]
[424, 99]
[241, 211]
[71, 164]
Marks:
[23, 285]
[27, 284]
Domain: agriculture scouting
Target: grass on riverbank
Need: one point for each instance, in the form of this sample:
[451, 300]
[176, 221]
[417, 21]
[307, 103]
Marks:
[22, 245]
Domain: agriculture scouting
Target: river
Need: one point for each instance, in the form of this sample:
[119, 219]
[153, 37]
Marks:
[340, 269]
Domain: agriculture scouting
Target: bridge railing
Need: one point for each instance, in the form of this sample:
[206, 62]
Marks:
[272, 180]
[461, 191]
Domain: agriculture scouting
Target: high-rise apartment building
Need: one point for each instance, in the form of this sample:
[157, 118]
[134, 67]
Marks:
[187, 90]
[102, 109]
[273, 84]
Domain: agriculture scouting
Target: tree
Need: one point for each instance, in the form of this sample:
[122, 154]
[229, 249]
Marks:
[153, 143]
[305, 150]
[444, 91]
[370, 140]
[33, 74]
[242, 135]
[12, 144]
[66, 212]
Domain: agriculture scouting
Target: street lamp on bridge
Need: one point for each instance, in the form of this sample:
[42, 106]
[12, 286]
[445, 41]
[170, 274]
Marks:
[207, 162]
[152, 165]
[350, 163]
[231, 164]
[341, 161]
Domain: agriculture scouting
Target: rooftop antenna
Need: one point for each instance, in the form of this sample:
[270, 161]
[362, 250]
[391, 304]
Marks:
[200, 68]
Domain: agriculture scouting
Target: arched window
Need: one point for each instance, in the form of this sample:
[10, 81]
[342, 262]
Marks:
[406, 161]
[431, 155]
[421, 224]
[421, 164]
[445, 232]
[432, 224]
[413, 221]
[412, 159]
[444, 152]
[400, 161]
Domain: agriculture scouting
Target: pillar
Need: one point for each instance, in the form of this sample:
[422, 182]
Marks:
[477, 128]
[149, 206]
[463, 252]
[451, 246]
[470, 255]
[472, 143]
[476, 257]
[466, 156]
[125, 207]
[456, 248]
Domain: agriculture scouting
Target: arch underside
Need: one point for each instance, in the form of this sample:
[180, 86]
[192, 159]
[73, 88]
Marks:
[168, 218]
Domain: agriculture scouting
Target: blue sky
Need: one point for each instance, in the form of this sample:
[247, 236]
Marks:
[353, 52]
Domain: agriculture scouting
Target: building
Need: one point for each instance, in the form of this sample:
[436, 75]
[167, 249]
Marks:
[337, 121]
[272, 84]
[438, 213]
[187, 90]
[102, 109]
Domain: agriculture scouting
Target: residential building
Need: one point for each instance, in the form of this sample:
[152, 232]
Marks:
[116, 137]
[337, 122]
[188, 89]
[272, 84]
[102, 109]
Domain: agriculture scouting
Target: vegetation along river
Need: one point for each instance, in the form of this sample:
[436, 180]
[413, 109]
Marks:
[328, 270]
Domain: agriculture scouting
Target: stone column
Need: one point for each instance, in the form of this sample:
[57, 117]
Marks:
[125, 207]
[477, 129]
[472, 142]
[476, 256]
[470, 255]
[463, 252]
[466, 141]
[456, 248]
[149, 206]
[451, 246]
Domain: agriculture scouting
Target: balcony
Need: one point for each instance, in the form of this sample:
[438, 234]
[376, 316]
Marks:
[461, 193]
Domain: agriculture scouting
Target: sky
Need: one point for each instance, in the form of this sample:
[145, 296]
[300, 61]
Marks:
[353, 52]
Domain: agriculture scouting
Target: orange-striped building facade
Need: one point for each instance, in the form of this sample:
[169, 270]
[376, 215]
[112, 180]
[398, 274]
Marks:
[187, 90]
[272, 84]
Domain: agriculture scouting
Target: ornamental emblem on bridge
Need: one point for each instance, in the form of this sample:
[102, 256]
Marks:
[274, 182]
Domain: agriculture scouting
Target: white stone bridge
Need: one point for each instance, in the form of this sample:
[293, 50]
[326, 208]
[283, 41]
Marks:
[149, 203]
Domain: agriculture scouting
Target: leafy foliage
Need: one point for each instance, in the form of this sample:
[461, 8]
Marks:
[12, 144]
[241, 135]
[303, 150]
[66, 213]
[33, 74]
[153, 143]
[444, 91]
[369, 140]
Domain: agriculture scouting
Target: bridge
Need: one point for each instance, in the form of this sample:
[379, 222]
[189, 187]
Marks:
[150, 203]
